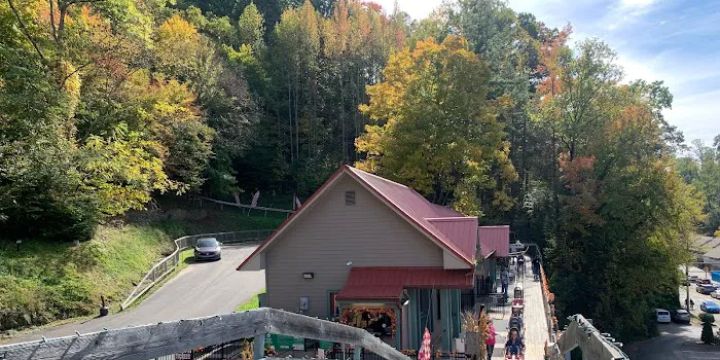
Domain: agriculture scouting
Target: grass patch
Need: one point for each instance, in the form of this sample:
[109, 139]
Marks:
[49, 281]
[252, 303]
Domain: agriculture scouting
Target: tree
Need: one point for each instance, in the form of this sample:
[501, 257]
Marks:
[432, 127]
[123, 171]
[251, 26]
[702, 170]
[623, 209]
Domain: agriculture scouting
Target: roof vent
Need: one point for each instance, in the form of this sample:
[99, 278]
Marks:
[349, 198]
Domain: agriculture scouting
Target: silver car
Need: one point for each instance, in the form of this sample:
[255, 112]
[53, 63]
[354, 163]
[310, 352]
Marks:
[207, 249]
[681, 316]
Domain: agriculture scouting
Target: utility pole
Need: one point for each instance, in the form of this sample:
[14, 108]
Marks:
[687, 277]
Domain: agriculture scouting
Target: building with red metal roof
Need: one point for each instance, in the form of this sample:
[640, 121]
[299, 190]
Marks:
[365, 244]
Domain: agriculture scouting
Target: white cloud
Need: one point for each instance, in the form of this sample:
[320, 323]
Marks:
[636, 3]
[697, 116]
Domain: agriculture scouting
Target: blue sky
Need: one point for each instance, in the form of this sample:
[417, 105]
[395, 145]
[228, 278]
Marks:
[677, 41]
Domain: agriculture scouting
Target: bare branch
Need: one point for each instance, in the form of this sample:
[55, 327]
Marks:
[71, 2]
[26, 32]
[62, 83]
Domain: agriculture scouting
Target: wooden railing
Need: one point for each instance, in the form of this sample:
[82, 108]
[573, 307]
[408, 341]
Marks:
[594, 345]
[245, 206]
[158, 340]
[163, 267]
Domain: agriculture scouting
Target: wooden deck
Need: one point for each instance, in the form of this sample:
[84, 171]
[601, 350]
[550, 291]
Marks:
[535, 321]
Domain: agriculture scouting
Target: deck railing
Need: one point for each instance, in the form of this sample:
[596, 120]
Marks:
[156, 341]
[165, 266]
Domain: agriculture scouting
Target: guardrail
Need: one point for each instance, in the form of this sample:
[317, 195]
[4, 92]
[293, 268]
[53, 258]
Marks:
[169, 263]
[157, 340]
[244, 206]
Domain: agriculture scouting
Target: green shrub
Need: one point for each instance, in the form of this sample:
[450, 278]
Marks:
[707, 331]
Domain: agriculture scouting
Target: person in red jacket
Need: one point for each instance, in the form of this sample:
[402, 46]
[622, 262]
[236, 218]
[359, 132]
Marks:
[490, 339]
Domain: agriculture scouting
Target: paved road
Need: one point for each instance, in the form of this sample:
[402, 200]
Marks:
[678, 341]
[201, 289]
[675, 342]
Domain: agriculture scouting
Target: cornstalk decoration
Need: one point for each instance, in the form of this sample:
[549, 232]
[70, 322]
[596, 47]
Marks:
[476, 332]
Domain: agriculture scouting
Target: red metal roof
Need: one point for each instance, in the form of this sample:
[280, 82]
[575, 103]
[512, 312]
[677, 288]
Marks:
[436, 221]
[462, 231]
[421, 211]
[494, 239]
[387, 283]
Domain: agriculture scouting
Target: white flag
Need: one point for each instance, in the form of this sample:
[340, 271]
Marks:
[255, 198]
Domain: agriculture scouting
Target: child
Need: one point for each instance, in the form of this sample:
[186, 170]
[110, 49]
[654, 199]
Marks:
[514, 345]
[490, 340]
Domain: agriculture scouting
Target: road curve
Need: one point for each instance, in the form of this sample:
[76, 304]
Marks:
[201, 289]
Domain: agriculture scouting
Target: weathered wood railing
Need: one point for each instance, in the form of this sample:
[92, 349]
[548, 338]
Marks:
[163, 267]
[153, 341]
[594, 345]
[245, 206]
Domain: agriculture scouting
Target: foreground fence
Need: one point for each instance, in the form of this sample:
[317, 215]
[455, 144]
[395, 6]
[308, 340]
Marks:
[594, 344]
[172, 339]
[169, 263]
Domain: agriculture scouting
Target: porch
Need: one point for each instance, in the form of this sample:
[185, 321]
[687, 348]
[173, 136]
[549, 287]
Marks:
[397, 304]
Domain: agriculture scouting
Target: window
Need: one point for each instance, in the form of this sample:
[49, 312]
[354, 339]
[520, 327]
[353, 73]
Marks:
[349, 198]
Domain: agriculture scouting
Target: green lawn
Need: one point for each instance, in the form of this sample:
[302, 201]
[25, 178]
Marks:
[253, 303]
[49, 281]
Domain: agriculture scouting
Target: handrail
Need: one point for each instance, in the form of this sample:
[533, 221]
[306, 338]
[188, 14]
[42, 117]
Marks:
[165, 338]
[170, 262]
[244, 206]
[594, 344]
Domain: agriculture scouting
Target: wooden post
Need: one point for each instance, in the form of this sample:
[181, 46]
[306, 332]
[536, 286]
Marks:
[259, 346]
[357, 353]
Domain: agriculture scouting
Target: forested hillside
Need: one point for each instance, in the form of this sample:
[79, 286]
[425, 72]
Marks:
[107, 103]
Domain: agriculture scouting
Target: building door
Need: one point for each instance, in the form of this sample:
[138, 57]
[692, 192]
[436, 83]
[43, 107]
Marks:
[333, 308]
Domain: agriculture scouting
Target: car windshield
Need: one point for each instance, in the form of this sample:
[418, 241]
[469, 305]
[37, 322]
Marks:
[207, 243]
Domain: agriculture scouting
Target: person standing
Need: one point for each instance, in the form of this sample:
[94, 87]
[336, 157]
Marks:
[504, 279]
[521, 265]
[490, 339]
[536, 268]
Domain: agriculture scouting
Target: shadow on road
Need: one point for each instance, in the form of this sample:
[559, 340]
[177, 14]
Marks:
[676, 341]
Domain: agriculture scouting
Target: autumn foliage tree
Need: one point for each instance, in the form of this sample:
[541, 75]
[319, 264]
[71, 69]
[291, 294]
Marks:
[623, 209]
[432, 127]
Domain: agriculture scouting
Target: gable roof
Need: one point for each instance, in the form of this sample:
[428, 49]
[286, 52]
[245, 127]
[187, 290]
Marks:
[705, 244]
[494, 239]
[407, 203]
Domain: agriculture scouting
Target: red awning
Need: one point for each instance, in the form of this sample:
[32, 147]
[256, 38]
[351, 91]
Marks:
[387, 283]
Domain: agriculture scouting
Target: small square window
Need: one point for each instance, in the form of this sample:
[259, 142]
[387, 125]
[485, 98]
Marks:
[349, 198]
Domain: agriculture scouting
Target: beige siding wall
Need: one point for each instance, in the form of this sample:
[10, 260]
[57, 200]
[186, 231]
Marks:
[328, 236]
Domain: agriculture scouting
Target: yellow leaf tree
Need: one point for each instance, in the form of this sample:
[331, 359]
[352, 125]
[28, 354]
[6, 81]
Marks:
[432, 128]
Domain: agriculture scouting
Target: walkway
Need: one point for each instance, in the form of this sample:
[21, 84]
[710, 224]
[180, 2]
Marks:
[535, 321]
